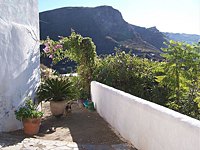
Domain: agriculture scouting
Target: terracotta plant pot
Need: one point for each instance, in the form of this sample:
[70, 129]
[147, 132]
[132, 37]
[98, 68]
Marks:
[57, 108]
[31, 125]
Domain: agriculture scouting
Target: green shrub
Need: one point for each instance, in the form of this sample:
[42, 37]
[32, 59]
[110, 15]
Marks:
[29, 110]
[131, 74]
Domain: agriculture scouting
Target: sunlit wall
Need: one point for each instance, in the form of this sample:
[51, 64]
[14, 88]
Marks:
[19, 57]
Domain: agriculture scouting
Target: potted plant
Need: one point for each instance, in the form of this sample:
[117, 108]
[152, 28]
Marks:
[30, 116]
[58, 91]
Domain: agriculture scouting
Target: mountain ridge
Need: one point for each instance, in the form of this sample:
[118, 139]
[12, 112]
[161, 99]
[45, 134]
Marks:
[103, 24]
[182, 37]
[107, 28]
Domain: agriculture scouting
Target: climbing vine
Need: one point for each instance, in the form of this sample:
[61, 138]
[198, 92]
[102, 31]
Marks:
[77, 48]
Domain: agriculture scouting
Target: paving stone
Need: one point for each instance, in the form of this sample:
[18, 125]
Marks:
[29, 144]
[89, 147]
[121, 147]
[46, 143]
[48, 147]
[73, 145]
[60, 143]
[78, 148]
[18, 143]
[34, 140]
[31, 148]
[14, 147]
[63, 148]
[26, 140]
[103, 147]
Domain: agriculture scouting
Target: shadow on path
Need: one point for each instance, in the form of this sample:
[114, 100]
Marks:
[82, 127]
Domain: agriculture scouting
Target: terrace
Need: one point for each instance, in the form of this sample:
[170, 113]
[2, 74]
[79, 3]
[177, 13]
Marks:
[138, 122]
[146, 125]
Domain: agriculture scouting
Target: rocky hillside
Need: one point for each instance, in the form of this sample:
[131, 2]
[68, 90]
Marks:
[182, 37]
[152, 35]
[106, 26]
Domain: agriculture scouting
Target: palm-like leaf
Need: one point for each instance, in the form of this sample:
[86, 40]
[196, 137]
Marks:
[56, 90]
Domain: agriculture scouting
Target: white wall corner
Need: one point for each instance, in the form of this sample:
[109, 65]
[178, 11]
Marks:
[20, 57]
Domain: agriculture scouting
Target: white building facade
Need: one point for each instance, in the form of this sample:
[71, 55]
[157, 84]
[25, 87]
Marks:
[19, 57]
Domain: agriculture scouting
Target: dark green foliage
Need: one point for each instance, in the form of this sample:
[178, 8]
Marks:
[173, 83]
[82, 91]
[83, 51]
[130, 74]
[82, 94]
[56, 90]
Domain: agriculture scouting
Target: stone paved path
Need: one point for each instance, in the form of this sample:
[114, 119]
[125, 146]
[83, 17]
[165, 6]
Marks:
[10, 142]
[39, 144]
[61, 140]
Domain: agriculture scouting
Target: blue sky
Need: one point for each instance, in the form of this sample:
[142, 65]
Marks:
[177, 16]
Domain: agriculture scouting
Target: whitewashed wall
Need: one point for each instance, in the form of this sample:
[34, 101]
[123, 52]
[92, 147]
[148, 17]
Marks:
[19, 57]
[146, 125]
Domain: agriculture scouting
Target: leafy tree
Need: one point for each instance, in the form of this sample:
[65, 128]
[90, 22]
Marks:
[181, 75]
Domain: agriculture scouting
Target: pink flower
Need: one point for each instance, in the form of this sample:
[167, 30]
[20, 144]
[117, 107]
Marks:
[88, 77]
[58, 46]
[47, 45]
[50, 56]
[46, 49]
[54, 49]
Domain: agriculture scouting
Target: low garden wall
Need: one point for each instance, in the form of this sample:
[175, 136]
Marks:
[146, 125]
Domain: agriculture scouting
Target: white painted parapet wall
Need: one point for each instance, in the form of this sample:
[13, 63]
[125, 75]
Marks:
[146, 125]
[19, 57]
